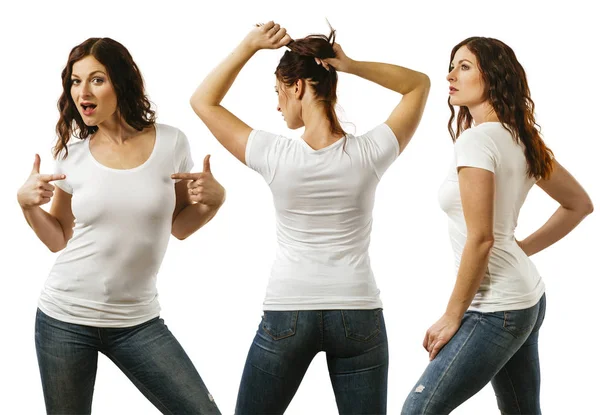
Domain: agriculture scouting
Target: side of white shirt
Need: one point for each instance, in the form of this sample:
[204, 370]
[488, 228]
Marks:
[511, 281]
[323, 201]
[106, 275]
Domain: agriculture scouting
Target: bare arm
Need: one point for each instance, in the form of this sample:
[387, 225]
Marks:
[575, 205]
[198, 198]
[232, 132]
[412, 85]
[54, 229]
[477, 191]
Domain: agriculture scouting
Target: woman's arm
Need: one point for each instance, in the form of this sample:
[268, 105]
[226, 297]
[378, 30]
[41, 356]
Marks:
[575, 204]
[231, 132]
[54, 229]
[412, 85]
[198, 198]
[477, 193]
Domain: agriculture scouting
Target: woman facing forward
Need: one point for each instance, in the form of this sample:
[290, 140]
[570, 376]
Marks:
[321, 295]
[489, 331]
[115, 206]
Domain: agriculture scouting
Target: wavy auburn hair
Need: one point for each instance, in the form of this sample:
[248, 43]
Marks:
[299, 63]
[133, 105]
[508, 93]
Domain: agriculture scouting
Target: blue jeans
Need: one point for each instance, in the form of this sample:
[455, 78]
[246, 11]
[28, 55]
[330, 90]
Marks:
[148, 354]
[355, 342]
[500, 347]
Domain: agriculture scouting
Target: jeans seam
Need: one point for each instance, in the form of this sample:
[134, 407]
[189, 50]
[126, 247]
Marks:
[513, 389]
[321, 329]
[479, 316]
[127, 372]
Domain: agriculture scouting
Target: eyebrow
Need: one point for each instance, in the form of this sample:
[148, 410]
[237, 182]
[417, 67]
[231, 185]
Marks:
[464, 60]
[98, 71]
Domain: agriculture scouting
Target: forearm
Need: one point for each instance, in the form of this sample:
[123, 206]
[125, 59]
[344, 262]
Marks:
[192, 218]
[472, 268]
[46, 227]
[560, 224]
[214, 87]
[394, 77]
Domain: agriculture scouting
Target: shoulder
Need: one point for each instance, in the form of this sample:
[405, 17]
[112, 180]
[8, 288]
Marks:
[480, 136]
[74, 149]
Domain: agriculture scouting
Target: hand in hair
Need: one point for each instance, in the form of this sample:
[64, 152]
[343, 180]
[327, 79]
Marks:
[340, 63]
[37, 190]
[268, 36]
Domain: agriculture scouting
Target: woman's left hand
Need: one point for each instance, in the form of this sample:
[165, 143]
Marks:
[203, 187]
[439, 334]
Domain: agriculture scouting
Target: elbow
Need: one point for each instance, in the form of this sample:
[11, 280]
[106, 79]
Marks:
[484, 242]
[587, 207]
[180, 235]
[56, 248]
[425, 81]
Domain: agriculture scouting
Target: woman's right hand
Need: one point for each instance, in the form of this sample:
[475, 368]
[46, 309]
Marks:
[268, 36]
[37, 190]
[341, 62]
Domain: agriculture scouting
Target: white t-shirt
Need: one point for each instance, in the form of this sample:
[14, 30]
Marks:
[511, 281]
[323, 202]
[106, 275]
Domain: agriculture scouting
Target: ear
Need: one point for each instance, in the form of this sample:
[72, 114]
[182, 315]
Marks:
[299, 88]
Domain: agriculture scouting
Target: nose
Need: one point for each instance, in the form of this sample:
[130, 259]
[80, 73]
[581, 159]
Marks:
[451, 76]
[85, 89]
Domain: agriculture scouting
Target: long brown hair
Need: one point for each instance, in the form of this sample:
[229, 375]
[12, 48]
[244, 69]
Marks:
[299, 63]
[508, 93]
[132, 103]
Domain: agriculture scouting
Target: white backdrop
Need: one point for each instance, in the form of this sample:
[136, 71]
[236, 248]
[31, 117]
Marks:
[212, 284]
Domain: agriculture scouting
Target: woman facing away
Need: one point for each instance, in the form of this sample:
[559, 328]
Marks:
[321, 295]
[490, 329]
[115, 204]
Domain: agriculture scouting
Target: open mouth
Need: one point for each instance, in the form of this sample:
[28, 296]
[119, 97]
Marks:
[88, 109]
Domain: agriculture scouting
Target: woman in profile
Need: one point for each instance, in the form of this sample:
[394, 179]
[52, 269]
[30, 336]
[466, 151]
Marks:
[114, 207]
[490, 329]
[322, 295]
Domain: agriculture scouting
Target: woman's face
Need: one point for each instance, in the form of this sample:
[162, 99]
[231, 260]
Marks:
[92, 92]
[467, 88]
[289, 105]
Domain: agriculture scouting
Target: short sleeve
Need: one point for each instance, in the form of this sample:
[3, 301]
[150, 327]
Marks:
[60, 167]
[380, 147]
[262, 152]
[475, 149]
[182, 158]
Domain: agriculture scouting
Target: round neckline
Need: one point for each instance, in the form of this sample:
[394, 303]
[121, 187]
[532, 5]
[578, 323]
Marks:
[133, 169]
[332, 145]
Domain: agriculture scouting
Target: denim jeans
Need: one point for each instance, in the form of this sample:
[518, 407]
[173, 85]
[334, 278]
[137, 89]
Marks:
[148, 354]
[500, 347]
[354, 341]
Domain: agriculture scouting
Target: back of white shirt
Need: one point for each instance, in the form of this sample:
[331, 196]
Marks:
[323, 202]
[106, 275]
[511, 281]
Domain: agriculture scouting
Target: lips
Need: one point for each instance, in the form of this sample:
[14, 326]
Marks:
[452, 89]
[88, 108]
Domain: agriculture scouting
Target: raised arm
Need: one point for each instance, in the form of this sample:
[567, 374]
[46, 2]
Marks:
[575, 204]
[412, 85]
[232, 132]
[55, 228]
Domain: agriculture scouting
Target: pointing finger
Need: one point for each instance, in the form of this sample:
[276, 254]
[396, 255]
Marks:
[51, 177]
[184, 176]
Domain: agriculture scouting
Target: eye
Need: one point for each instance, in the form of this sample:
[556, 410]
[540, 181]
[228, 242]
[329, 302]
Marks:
[464, 67]
[75, 81]
[97, 80]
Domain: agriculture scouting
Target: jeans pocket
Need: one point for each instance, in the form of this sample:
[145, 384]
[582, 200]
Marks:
[520, 322]
[279, 324]
[361, 325]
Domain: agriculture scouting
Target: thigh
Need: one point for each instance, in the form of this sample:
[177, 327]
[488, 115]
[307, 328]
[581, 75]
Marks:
[517, 384]
[357, 358]
[67, 357]
[155, 362]
[284, 345]
[479, 349]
